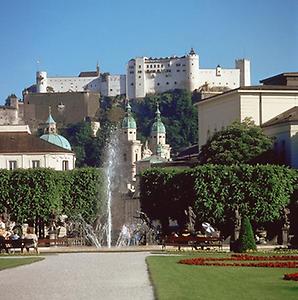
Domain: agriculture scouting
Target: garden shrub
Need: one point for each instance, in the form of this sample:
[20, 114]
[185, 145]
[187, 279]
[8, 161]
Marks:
[28, 195]
[246, 237]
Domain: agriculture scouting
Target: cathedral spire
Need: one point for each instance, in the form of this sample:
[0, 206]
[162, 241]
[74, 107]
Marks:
[51, 124]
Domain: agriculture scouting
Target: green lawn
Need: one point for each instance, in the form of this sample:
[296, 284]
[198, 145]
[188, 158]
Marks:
[177, 281]
[11, 262]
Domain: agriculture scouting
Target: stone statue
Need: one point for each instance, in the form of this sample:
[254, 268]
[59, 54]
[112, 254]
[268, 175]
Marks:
[191, 219]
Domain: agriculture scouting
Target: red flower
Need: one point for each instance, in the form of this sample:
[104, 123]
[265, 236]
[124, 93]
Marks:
[264, 261]
[292, 276]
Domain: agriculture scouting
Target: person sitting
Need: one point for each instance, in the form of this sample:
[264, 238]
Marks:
[14, 236]
[30, 235]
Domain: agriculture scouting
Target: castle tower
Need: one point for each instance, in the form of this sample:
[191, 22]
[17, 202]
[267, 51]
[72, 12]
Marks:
[192, 65]
[244, 66]
[41, 82]
[157, 142]
[131, 147]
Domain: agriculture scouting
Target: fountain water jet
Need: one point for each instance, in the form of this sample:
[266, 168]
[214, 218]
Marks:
[111, 166]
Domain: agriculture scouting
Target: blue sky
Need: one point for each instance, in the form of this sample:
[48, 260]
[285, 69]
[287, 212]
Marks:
[69, 36]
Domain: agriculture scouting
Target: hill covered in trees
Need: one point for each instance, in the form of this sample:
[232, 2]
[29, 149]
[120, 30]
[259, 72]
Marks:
[177, 113]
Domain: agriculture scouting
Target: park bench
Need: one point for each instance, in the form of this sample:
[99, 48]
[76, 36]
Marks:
[6, 245]
[193, 241]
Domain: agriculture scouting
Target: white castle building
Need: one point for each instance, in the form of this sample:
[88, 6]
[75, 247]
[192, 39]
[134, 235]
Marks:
[157, 75]
[94, 81]
[149, 75]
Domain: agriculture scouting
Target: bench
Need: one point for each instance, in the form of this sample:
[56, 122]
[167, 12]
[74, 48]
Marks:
[192, 241]
[17, 244]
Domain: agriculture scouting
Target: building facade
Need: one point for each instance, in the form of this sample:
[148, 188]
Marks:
[20, 149]
[93, 81]
[260, 103]
[147, 76]
[157, 75]
[284, 129]
[133, 151]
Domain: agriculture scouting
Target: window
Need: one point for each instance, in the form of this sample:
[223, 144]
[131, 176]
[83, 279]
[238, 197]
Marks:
[35, 164]
[175, 82]
[131, 84]
[139, 71]
[158, 83]
[178, 65]
[140, 66]
[136, 156]
[140, 76]
[111, 90]
[65, 165]
[12, 164]
[178, 70]
[167, 83]
[124, 157]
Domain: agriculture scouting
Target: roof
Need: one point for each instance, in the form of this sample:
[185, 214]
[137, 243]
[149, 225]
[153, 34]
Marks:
[154, 159]
[188, 153]
[158, 125]
[89, 74]
[23, 142]
[254, 88]
[57, 140]
[50, 120]
[129, 121]
[291, 115]
[279, 79]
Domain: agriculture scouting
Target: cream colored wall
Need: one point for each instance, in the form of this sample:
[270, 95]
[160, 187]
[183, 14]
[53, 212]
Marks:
[216, 115]
[274, 104]
[261, 106]
[50, 160]
[249, 108]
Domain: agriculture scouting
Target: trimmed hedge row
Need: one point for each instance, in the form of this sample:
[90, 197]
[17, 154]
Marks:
[214, 191]
[39, 193]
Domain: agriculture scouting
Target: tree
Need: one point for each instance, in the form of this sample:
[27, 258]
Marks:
[177, 113]
[246, 238]
[238, 143]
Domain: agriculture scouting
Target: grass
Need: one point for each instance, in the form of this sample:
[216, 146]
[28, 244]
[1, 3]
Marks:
[12, 262]
[176, 281]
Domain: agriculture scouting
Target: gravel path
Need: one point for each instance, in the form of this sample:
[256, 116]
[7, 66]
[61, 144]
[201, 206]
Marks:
[80, 276]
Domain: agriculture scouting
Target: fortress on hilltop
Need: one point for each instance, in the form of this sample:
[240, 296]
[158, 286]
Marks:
[147, 76]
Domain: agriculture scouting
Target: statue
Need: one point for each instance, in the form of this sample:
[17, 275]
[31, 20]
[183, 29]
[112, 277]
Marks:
[191, 219]
[237, 223]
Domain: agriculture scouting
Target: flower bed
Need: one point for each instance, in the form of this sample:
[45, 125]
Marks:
[263, 261]
[292, 276]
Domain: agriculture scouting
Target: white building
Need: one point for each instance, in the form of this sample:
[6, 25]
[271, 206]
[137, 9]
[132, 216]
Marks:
[157, 75]
[105, 84]
[284, 128]
[260, 103]
[20, 149]
[149, 75]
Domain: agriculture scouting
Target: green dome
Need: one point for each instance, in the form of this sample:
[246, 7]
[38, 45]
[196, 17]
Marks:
[158, 125]
[57, 140]
[129, 121]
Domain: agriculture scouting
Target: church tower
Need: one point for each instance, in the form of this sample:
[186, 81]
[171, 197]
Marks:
[157, 142]
[131, 147]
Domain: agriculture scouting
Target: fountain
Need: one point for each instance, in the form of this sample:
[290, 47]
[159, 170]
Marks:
[111, 167]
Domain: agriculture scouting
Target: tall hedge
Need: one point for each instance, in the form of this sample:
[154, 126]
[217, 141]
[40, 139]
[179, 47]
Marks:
[214, 191]
[38, 193]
